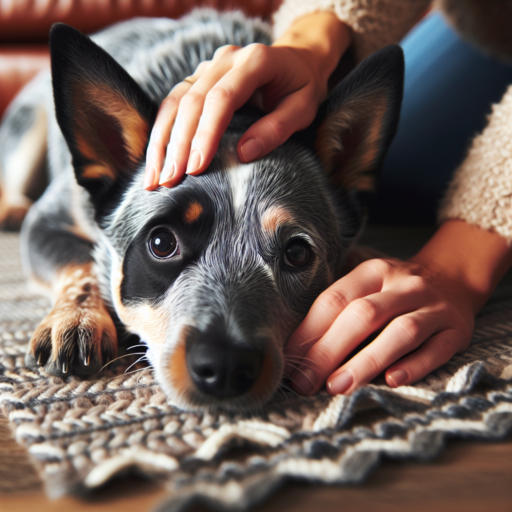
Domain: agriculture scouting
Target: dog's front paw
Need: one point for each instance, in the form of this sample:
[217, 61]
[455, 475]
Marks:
[78, 336]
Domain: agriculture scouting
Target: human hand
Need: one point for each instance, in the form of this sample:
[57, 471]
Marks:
[290, 78]
[425, 306]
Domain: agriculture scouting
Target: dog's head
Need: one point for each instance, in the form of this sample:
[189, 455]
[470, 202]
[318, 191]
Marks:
[216, 273]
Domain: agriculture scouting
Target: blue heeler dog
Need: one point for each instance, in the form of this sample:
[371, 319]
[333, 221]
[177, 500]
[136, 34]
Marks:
[215, 274]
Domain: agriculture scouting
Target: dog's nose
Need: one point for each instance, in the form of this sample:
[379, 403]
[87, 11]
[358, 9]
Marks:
[223, 369]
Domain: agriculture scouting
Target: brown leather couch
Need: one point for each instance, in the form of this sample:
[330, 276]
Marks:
[24, 26]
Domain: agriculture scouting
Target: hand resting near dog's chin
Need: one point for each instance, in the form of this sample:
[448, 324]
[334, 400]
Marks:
[425, 306]
[290, 78]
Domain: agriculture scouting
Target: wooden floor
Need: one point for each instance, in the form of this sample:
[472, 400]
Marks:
[468, 477]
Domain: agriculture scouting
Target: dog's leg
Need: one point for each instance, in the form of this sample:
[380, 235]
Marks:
[78, 336]
[23, 143]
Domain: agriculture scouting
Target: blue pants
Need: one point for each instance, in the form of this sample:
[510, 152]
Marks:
[448, 91]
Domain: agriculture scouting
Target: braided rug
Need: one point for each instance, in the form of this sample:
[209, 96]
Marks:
[80, 433]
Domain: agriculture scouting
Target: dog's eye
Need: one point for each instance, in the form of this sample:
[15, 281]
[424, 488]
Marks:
[163, 244]
[297, 253]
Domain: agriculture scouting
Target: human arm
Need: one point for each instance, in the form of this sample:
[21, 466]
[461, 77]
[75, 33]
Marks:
[425, 306]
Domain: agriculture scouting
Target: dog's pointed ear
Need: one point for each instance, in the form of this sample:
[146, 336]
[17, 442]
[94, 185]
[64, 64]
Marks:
[356, 124]
[103, 113]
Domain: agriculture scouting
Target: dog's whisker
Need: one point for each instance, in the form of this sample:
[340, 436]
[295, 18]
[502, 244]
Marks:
[135, 371]
[129, 373]
[306, 376]
[297, 366]
[136, 346]
[133, 364]
[120, 357]
[290, 357]
[291, 390]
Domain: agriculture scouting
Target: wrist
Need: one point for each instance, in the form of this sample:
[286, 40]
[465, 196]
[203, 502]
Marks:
[468, 255]
[322, 37]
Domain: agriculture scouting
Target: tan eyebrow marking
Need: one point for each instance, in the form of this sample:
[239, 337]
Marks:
[274, 217]
[193, 212]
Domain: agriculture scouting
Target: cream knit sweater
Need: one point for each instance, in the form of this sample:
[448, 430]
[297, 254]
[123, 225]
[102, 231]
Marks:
[481, 190]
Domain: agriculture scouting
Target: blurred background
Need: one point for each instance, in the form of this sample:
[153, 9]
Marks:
[24, 27]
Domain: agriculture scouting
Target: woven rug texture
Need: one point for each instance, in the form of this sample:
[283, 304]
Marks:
[81, 433]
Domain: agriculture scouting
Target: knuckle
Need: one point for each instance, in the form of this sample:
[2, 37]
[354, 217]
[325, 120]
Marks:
[333, 300]
[258, 52]
[418, 284]
[203, 136]
[365, 310]
[220, 94]
[223, 51]
[410, 326]
[371, 364]
[278, 131]
[325, 357]
[203, 66]
[190, 99]
[178, 140]
[170, 102]
[378, 266]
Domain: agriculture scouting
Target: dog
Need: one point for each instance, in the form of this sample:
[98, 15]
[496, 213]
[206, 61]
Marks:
[215, 274]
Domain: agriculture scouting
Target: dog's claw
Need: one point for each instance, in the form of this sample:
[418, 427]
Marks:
[87, 341]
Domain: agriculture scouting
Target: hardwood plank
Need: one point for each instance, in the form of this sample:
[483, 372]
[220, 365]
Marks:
[467, 477]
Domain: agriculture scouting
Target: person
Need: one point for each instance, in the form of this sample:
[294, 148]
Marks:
[424, 308]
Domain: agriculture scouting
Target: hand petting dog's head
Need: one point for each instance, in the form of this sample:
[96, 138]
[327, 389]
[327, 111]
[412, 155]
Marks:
[215, 274]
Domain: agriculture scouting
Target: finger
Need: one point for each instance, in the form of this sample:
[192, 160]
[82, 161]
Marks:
[293, 113]
[438, 350]
[403, 335]
[232, 91]
[359, 319]
[187, 120]
[161, 133]
[364, 280]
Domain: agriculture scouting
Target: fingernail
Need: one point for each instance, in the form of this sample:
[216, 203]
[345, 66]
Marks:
[397, 377]
[167, 173]
[251, 149]
[305, 380]
[341, 383]
[149, 178]
[194, 161]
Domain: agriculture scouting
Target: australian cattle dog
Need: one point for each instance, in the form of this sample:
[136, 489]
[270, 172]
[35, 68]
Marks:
[214, 274]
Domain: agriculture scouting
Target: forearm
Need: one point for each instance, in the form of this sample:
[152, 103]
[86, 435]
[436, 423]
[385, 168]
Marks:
[469, 255]
[321, 35]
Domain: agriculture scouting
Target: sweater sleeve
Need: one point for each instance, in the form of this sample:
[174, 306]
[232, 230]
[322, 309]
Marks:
[481, 190]
[374, 23]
